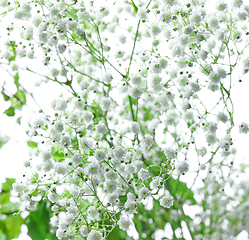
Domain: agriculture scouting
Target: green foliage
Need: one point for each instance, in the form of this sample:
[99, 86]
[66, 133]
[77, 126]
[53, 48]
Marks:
[10, 226]
[16, 80]
[5, 96]
[38, 223]
[3, 140]
[32, 144]
[57, 155]
[147, 114]
[10, 112]
[117, 234]
[174, 186]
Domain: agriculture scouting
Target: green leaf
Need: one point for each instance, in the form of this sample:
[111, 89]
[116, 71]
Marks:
[181, 189]
[10, 112]
[18, 120]
[57, 156]
[4, 198]
[3, 140]
[7, 186]
[5, 96]
[147, 115]
[9, 208]
[38, 222]
[117, 234]
[32, 144]
[20, 95]
[16, 80]
[2, 235]
[35, 193]
[13, 225]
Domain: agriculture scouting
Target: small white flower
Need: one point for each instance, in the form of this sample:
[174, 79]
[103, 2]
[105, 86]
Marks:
[95, 235]
[101, 129]
[61, 105]
[65, 141]
[143, 174]
[182, 167]
[100, 154]
[84, 231]
[124, 223]
[222, 117]
[105, 104]
[18, 187]
[136, 92]
[135, 127]
[155, 29]
[243, 127]
[166, 201]
[53, 196]
[58, 127]
[119, 54]
[148, 139]
[211, 138]
[143, 193]
[110, 186]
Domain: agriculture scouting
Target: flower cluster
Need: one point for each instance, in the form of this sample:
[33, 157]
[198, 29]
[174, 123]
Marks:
[133, 117]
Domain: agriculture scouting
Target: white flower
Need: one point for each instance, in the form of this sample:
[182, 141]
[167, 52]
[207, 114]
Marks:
[58, 127]
[107, 78]
[124, 223]
[135, 127]
[95, 235]
[101, 129]
[130, 206]
[38, 123]
[53, 196]
[110, 186]
[111, 175]
[211, 138]
[136, 92]
[87, 116]
[60, 168]
[72, 26]
[243, 127]
[148, 139]
[43, 37]
[222, 117]
[84, 231]
[93, 168]
[65, 141]
[182, 167]
[60, 233]
[143, 174]
[100, 154]
[62, 48]
[142, 13]
[119, 54]
[170, 153]
[237, 3]
[37, 20]
[137, 79]
[166, 201]
[54, 221]
[61, 104]
[155, 29]
[119, 152]
[143, 193]
[221, 6]
[196, 17]
[165, 17]
[105, 104]
[18, 187]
